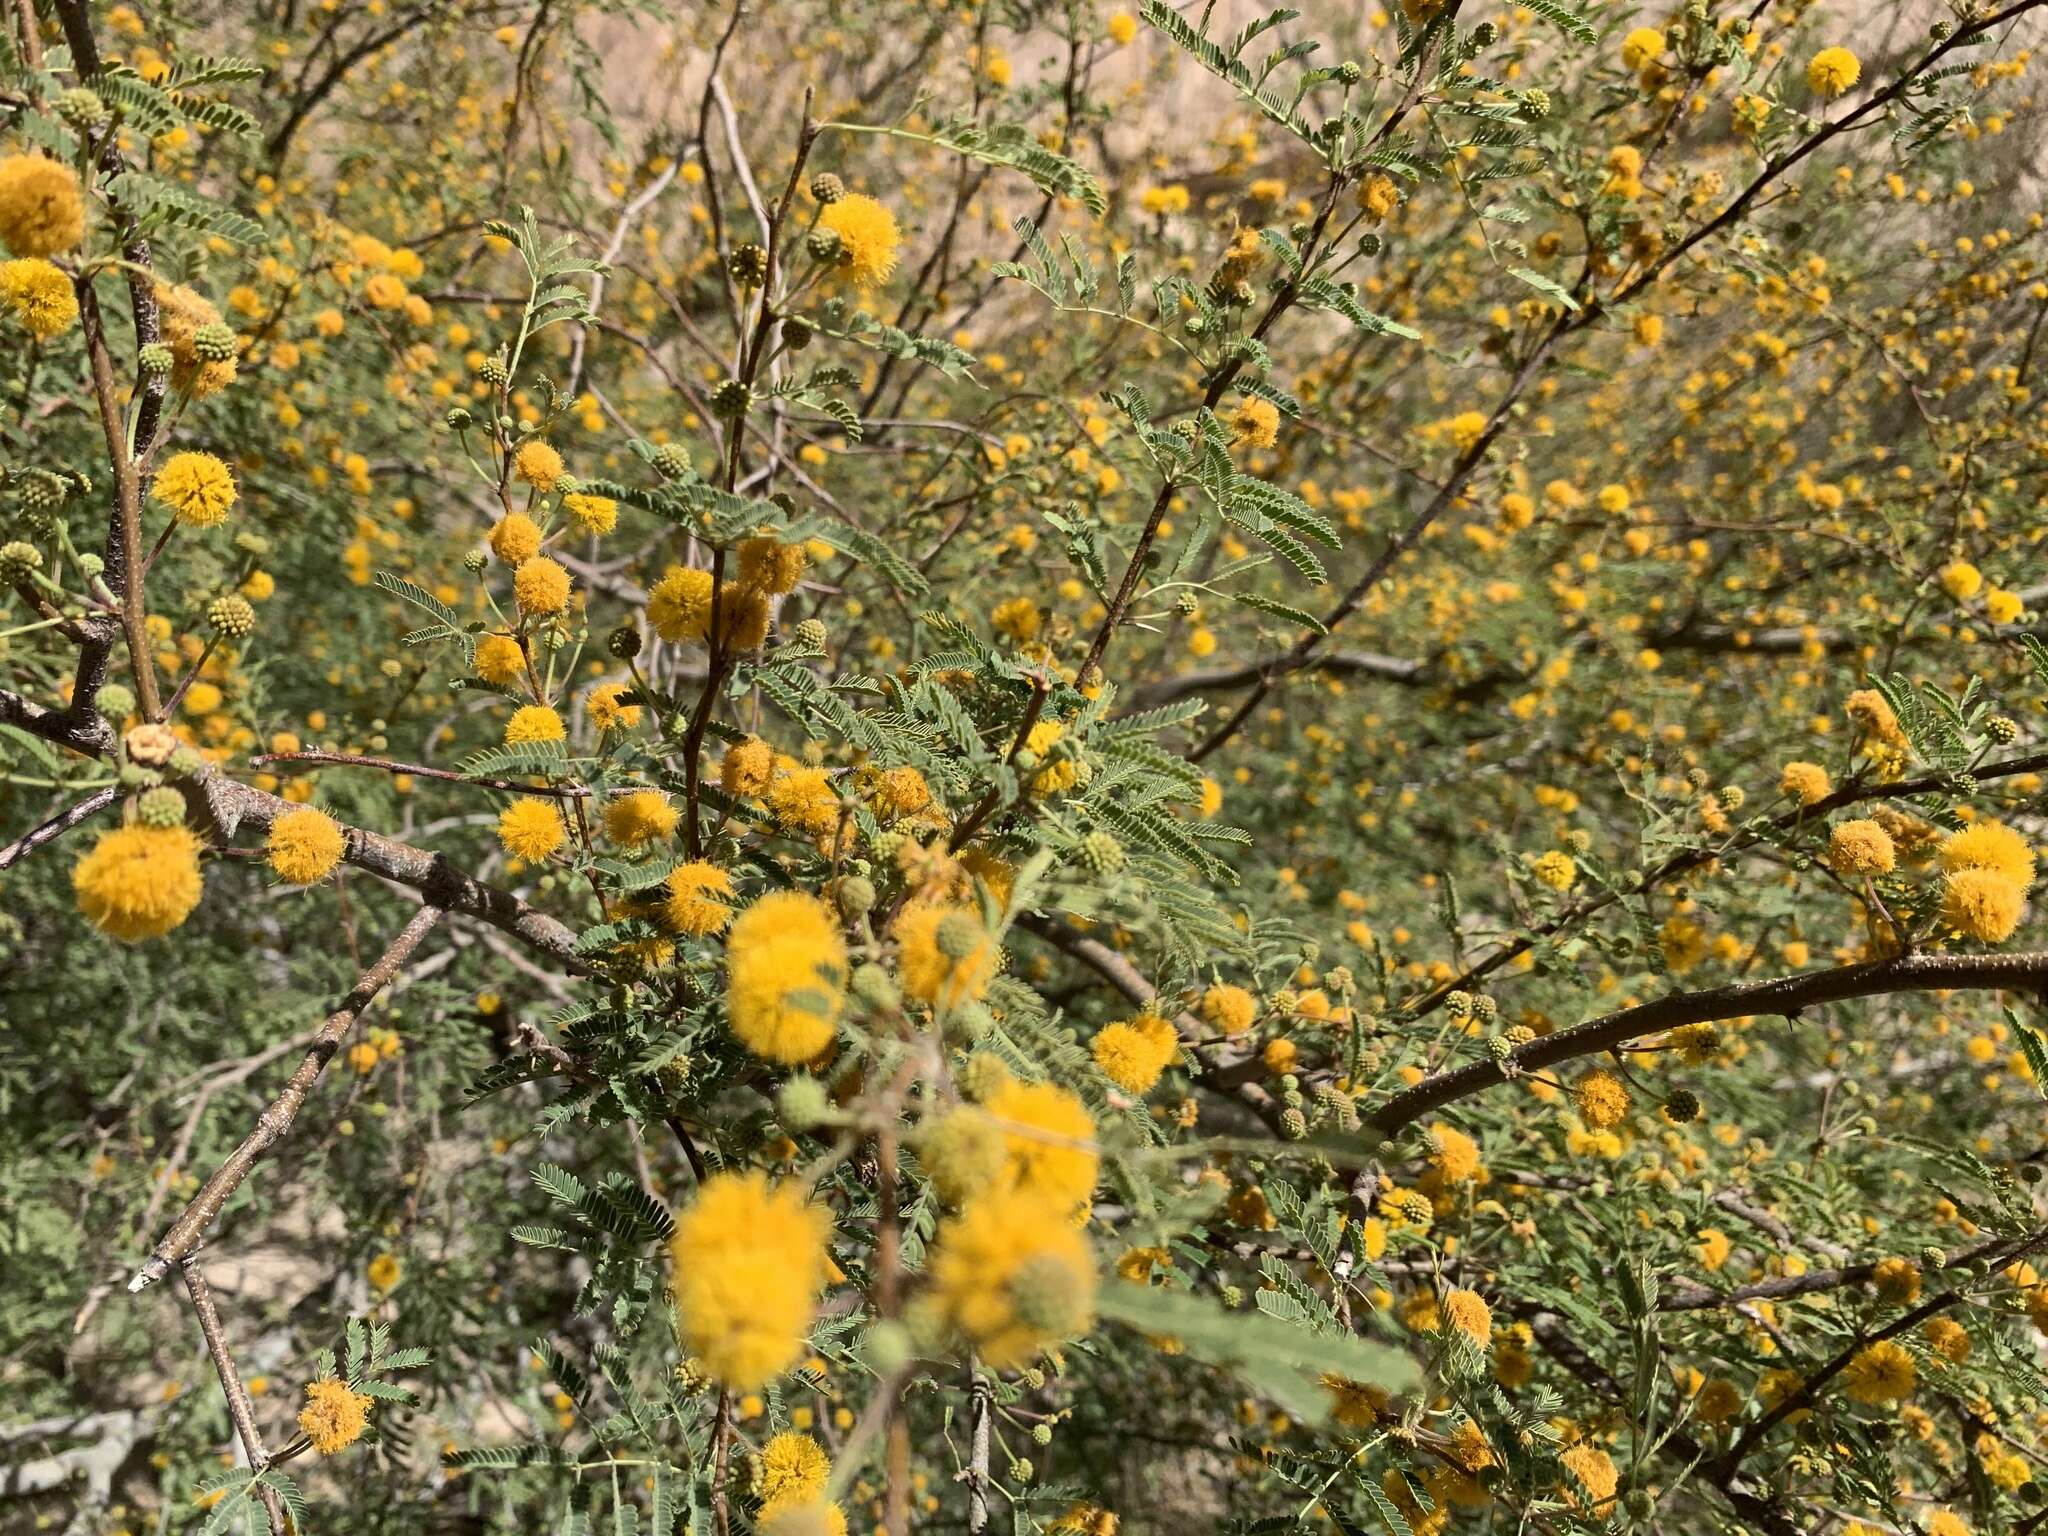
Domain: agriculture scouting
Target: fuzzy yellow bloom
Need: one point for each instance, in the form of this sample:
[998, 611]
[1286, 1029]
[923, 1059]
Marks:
[747, 767]
[1123, 26]
[1805, 782]
[1255, 421]
[1056, 776]
[1990, 845]
[540, 586]
[499, 659]
[533, 724]
[1961, 580]
[868, 238]
[184, 314]
[1132, 1055]
[139, 882]
[699, 898]
[39, 297]
[749, 1261]
[334, 1417]
[1832, 71]
[1594, 1471]
[594, 515]
[679, 606]
[41, 210]
[537, 464]
[1642, 46]
[305, 845]
[1378, 196]
[804, 800]
[1229, 1008]
[1049, 1141]
[531, 828]
[635, 820]
[1602, 1100]
[196, 487]
[1454, 1154]
[384, 1271]
[1468, 1312]
[944, 954]
[793, 1466]
[1012, 1275]
[786, 975]
[515, 538]
[1860, 848]
[606, 711]
[1556, 869]
[769, 565]
[1983, 904]
[1879, 1373]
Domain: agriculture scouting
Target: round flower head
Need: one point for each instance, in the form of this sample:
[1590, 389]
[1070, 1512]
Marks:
[699, 898]
[1468, 1312]
[1861, 848]
[1879, 1373]
[196, 487]
[1228, 1008]
[793, 1466]
[538, 465]
[803, 800]
[515, 538]
[139, 882]
[868, 238]
[1832, 71]
[41, 211]
[594, 515]
[1053, 777]
[1049, 1142]
[540, 586]
[1592, 1470]
[645, 816]
[747, 767]
[770, 565]
[1256, 422]
[1602, 1100]
[38, 296]
[1983, 904]
[184, 314]
[1805, 782]
[334, 1417]
[679, 607]
[749, 1261]
[607, 713]
[531, 828]
[1642, 46]
[1012, 1276]
[1132, 1055]
[1961, 580]
[499, 660]
[786, 974]
[1454, 1154]
[305, 845]
[1990, 845]
[800, 1517]
[532, 724]
[944, 953]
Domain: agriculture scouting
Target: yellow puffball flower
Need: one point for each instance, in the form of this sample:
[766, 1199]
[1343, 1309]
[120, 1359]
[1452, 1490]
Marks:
[538, 465]
[769, 565]
[679, 607]
[384, 1271]
[1990, 845]
[305, 845]
[531, 828]
[139, 882]
[594, 515]
[1255, 421]
[1880, 1373]
[499, 660]
[1961, 580]
[747, 767]
[532, 724]
[945, 954]
[1133, 1055]
[1983, 904]
[786, 977]
[540, 586]
[1602, 1100]
[196, 487]
[868, 236]
[749, 1261]
[1468, 1312]
[642, 817]
[1053, 777]
[1049, 1141]
[515, 538]
[699, 899]
[1805, 782]
[1860, 848]
[804, 800]
[39, 297]
[1832, 71]
[41, 210]
[1642, 46]
[606, 711]
[793, 1466]
[1228, 1008]
[1012, 1276]
[334, 1417]
[1123, 26]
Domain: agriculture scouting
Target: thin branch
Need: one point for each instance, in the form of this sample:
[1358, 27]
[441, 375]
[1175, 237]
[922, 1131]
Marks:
[240, 1408]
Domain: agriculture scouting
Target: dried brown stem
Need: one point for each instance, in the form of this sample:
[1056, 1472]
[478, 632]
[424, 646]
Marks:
[240, 1408]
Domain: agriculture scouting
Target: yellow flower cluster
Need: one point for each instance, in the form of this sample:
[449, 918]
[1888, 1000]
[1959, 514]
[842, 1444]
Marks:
[748, 1261]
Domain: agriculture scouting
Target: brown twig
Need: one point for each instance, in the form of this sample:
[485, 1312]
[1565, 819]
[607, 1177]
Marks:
[190, 1228]
[240, 1408]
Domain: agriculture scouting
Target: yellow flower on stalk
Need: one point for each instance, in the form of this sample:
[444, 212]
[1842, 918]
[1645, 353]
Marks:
[305, 845]
[1993, 846]
[804, 800]
[41, 210]
[786, 976]
[1645, 45]
[747, 768]
[794, 1467]
[1983, 904]
[944, 953]
[606, 711]
[1053, 777]
[1602, 1100]
[1832, 71]
[499, 660]
[1228, 1008]
[1049, 1142]
[196, 487]
[1879, 1373]
[1255, 421]
[699, 899]
[748, 1263]
[635, 820]
[514, 538]
[537, 464]
[385, 1271]
[1860, 848]
[533, 724]
[594, 515]
[1012, 1276]
[1133, 1055]
[868, 237]
[1805, 782]
[334, 1417]
[1468, 1312]
[39, 297]
[540, 586]
[531, 828]
[679, 606]
[139, 882]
